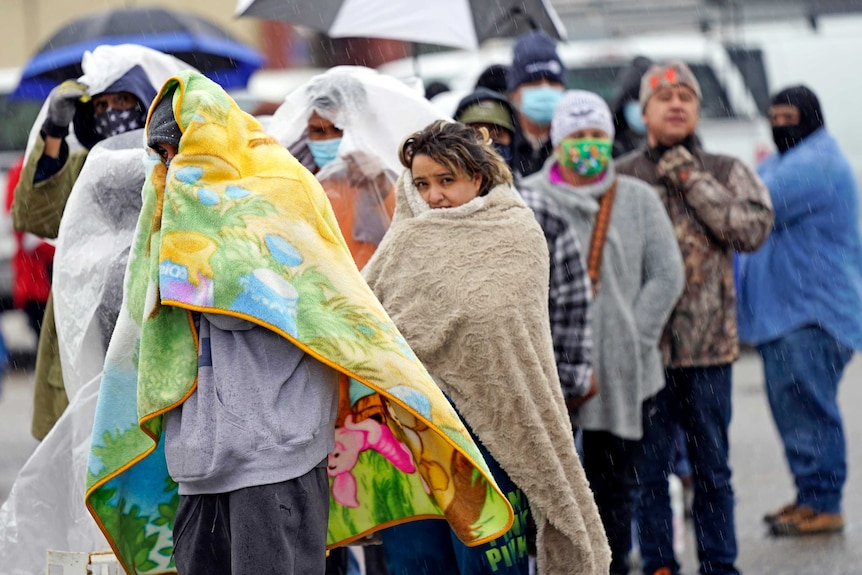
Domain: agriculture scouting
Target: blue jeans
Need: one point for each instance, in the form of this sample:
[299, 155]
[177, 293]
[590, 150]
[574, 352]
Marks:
[698, 400]
[802, 372]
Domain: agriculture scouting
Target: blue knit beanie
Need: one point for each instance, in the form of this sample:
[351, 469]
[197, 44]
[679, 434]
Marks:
[535, 57]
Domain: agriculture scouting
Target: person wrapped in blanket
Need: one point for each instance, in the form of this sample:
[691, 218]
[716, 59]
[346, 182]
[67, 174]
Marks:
[240, 511]
[110, 98]
[464, 274]
[345, 126]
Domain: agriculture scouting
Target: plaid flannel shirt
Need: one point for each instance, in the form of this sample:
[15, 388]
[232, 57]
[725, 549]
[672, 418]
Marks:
[570, 297]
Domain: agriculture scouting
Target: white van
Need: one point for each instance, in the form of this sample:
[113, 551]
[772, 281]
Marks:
[730, 120]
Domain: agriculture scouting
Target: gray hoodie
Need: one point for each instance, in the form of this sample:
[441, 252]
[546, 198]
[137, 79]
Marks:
[263, 411]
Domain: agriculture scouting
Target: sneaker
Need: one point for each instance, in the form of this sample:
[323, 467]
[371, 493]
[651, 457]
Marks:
[781, 514]
[806, 521]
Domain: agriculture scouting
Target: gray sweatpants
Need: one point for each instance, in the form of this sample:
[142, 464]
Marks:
[277, 529]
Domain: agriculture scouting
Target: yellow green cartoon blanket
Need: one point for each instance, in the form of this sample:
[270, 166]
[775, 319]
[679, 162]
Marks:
[238, 227]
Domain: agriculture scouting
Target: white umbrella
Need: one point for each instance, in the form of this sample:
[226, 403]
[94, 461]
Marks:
[456, 23]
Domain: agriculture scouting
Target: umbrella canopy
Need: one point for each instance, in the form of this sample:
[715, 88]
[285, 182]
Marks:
[456, 23]
[190, 38]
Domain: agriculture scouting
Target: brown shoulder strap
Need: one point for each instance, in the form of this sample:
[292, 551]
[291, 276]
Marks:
[600, 234]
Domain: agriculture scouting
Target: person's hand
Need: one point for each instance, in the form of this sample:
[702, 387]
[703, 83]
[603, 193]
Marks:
[363, 167]
[678, 165]
[61, 107]
[576, 402]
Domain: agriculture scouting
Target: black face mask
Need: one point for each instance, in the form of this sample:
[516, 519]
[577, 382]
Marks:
[785, 137]
[113, 122]
[505, 152]
[810, 117]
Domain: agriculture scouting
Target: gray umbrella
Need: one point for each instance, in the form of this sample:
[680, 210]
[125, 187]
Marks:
[457, 23]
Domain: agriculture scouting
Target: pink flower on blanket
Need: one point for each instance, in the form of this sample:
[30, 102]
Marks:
[350, 441]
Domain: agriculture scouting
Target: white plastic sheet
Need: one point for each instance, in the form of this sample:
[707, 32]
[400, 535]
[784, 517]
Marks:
[45, 509]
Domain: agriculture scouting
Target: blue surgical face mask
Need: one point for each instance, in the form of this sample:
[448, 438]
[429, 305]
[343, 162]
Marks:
[634, 117]
[538, 103]
[324, 151]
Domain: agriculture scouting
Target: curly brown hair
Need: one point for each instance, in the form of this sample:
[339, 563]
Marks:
[462, 149]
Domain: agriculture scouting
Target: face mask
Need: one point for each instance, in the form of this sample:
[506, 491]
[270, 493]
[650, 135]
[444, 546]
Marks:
[587, 156]
[504, 151]
[113, 122]
[324, 151]
[634, 117]
[785, 137]
[538, 103]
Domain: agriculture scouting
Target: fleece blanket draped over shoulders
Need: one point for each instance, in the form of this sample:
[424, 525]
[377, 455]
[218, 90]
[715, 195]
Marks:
[238, 227]
[468, 288]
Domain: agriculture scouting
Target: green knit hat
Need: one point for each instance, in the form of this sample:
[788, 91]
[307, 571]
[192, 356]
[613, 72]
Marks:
[488, 112]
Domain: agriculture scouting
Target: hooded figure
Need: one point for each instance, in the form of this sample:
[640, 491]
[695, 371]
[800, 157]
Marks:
[110, 98]
[345, 126]
[239, 277]
[464, 274]
[628, 115]
[800, 303]
[788, 135]
[45, 509]
[493, 111]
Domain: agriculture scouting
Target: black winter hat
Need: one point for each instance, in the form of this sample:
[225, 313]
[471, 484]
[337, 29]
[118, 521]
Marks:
[494, 77]
[535, 57]
[163, 127]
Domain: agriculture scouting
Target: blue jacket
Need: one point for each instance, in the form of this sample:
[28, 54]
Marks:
[810, 269]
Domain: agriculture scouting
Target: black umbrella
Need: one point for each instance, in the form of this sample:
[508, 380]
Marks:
[193, 39]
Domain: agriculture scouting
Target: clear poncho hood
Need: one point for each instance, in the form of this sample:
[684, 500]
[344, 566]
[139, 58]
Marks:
[106, 64]
[375, 111]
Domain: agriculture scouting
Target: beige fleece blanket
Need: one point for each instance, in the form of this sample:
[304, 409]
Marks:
[468, 289]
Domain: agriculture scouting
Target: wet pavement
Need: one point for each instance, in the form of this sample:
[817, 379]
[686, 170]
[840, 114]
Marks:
[761, 479]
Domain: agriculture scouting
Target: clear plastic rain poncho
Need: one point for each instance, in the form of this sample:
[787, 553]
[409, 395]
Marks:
[106, 64]
[376, 112]
[45, 509]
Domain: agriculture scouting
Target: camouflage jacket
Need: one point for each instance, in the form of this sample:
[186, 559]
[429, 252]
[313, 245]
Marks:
[717, 206]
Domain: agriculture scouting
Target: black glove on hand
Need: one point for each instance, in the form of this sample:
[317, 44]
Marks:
[61, 107]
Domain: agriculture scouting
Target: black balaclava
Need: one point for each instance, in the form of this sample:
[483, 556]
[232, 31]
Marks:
[810, 116]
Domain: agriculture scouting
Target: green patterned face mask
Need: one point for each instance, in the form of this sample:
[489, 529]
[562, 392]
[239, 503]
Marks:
[585, 156]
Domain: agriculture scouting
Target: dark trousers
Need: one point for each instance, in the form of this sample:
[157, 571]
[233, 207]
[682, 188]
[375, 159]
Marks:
[430, 547]
[803, 370]
[277, 529]
[609, 463]
[698, 399]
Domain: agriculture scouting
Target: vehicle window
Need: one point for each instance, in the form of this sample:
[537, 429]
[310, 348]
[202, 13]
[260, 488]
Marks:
[714, 103]
[18, 117]
[602, 79]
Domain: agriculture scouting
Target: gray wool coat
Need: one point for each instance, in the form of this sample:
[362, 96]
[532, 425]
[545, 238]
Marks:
[641, 279]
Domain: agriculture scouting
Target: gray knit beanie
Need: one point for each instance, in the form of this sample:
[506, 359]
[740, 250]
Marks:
[163, 127]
